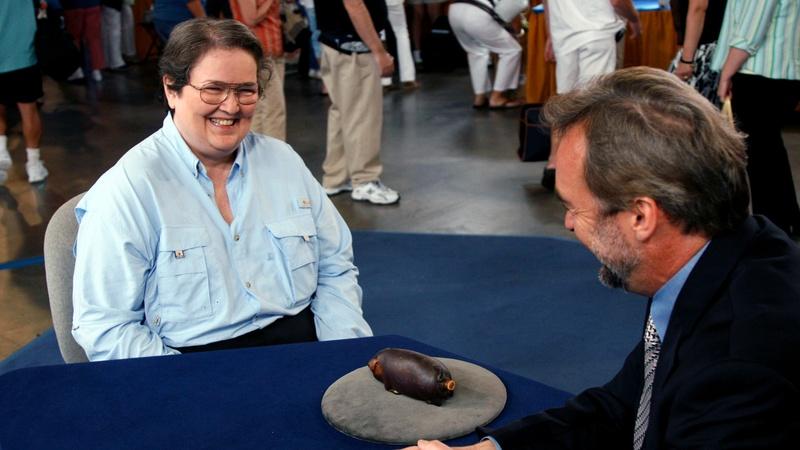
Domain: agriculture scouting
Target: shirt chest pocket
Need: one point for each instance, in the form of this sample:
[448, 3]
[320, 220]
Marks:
[182, 274]
[296, 240]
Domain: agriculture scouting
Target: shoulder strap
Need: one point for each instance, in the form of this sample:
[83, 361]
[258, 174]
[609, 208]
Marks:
[489, 10]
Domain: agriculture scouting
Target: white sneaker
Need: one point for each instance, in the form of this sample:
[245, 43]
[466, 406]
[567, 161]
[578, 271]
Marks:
[36, 171]
[97, 75]
[345, 187]
[77, 75]
[5, 160]
[375, 192]
[3, 176]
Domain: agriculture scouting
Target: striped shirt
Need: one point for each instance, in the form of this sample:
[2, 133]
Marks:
[269, 31]
[769, 30]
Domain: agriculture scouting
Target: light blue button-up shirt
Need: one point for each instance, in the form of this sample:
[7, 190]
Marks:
[157, 266]
[665, 297]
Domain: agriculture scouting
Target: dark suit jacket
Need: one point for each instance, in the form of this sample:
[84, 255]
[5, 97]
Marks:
[728, 374]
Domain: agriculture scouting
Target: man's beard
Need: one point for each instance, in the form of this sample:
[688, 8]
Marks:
[618, 259]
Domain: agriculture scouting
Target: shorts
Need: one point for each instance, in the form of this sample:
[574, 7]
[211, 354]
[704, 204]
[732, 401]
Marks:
[21, 85]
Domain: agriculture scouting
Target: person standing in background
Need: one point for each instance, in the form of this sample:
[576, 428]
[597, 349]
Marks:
[169, 13]
[352, 64]
[480, 36]
[83, 19]
[425, 13]
[128, 28]
[263, 18]
[397, 19]
[697, 24]
[758, 56]
[314, 49]
[20, 83]
[582, 40]
[112, 34]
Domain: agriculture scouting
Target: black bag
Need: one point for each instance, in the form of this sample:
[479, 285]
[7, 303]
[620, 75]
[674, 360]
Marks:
[534, 138]
[441, 51]
[56, 51]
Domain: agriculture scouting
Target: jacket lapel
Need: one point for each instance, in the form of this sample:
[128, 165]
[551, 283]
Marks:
[703, 285]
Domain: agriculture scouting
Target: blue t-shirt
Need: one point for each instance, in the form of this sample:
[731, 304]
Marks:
[171, 11]
[18, 22]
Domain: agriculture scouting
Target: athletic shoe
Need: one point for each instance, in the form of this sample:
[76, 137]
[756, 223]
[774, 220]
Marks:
[345, 187]
[375, 192]
[36, 171]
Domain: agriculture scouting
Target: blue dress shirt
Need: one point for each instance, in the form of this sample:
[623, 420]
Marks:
[664, 299]
[157, 266]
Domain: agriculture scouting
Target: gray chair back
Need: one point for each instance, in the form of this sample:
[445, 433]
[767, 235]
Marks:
[59, 264]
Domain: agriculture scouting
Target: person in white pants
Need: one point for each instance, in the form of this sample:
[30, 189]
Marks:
[128, 31]
[581, 41]
[397, 19]
[480, 35]
[112, 34]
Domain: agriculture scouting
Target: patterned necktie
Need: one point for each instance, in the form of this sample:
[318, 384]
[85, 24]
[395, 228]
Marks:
[652, 346]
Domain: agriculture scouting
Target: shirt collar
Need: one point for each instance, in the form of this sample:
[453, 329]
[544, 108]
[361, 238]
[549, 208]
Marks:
[665, 297]
[189, 159]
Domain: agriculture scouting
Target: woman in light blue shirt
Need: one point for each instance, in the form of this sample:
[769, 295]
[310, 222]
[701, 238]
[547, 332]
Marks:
[205, 235]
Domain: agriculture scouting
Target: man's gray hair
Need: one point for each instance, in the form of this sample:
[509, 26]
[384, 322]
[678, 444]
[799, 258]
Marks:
[649, 134]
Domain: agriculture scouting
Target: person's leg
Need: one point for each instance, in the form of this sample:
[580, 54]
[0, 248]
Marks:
[73, 23]
[466, 20]
[397, 18]
[5, 157]
[127, 29]
[112, 37]
[497, 40]
[334, 167]
[94, 40]
[32, 131]
[416, 31]
[761, 106]
[270, 115]
[361, 105]
[596, 58]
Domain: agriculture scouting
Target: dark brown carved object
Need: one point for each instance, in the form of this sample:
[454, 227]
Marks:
[413, 374]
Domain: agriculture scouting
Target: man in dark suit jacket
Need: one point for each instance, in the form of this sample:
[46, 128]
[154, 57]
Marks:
[653, 181]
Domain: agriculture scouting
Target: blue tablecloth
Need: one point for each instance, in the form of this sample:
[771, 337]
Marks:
[259, 398]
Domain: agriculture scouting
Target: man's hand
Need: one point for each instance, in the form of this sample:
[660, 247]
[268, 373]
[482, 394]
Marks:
[385, 62]
[549, 54]
[436, 445]
[635, 27]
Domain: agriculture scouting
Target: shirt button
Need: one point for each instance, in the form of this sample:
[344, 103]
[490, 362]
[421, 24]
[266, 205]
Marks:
[236, 237]
[247, 285]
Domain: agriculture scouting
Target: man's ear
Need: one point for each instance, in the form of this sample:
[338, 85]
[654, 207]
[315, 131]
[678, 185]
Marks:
[169, 94]
[645, 217]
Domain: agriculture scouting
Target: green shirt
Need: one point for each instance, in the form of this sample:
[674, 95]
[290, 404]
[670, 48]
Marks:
[17, 29]
[769, 30]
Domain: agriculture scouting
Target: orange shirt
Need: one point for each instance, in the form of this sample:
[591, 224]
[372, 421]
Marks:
[269, 31]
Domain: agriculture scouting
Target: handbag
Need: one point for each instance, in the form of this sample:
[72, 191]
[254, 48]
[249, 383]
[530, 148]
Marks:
[534, 137]
[295, 26]
[55, 50]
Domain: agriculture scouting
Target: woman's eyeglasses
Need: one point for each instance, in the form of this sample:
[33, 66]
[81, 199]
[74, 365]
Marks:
[216, 93]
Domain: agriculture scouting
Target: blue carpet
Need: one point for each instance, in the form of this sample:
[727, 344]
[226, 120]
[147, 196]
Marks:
[530, 305]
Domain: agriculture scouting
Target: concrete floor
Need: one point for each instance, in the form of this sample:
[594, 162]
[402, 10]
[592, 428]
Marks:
[455, 168]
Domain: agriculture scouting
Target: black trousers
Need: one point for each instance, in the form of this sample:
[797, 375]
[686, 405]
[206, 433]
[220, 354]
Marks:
[761, 107]
[286, 330]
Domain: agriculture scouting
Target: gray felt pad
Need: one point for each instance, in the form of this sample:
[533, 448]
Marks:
[358, 405]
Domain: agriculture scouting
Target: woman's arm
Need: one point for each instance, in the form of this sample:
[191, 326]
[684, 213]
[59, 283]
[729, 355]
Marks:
[253, 13]
[196, 8]
[695, 20]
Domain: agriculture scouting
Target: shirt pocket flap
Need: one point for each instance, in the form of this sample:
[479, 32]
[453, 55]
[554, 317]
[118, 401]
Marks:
[302, 226]
[182, 238]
